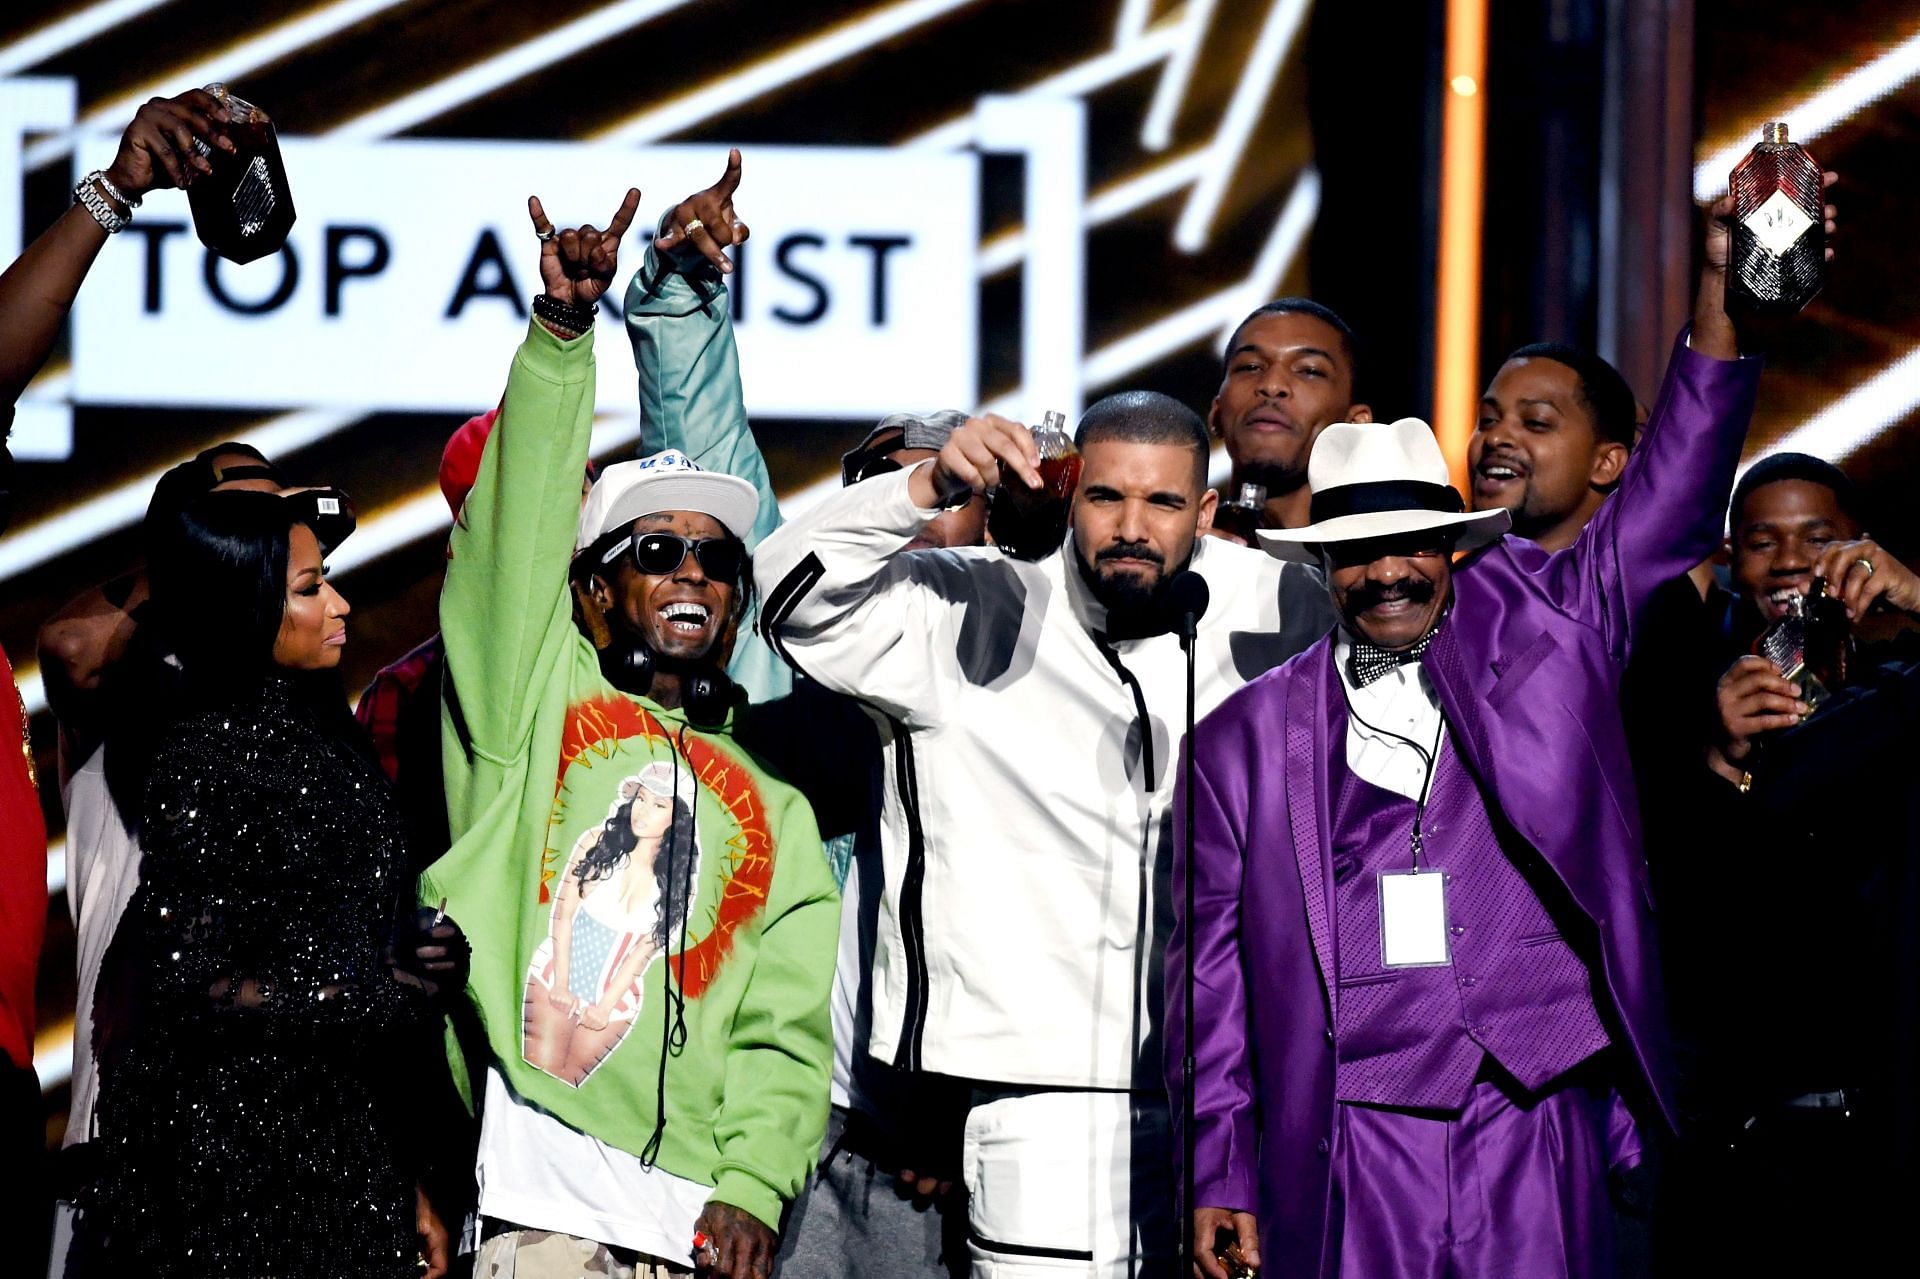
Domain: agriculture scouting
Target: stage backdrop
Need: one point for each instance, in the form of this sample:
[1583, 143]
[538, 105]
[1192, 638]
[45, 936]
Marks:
[954, 203]
[1021, 204]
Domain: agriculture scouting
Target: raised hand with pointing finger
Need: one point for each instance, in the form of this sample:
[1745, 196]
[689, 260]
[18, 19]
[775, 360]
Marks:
[577, 264]
[704, 223]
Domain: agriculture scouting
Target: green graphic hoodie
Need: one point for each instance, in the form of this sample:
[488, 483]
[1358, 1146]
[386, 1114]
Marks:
[693, 896]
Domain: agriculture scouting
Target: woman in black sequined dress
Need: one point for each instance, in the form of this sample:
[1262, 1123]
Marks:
[254, 1123]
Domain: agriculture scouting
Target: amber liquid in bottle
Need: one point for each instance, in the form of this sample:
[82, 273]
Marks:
[1029, 523]
[1240, 518]
[1829, 638]
[243, 210]
[1779, 258]
[1226, 1251]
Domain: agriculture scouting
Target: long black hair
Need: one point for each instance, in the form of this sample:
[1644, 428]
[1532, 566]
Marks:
[218, 571]
[145, 685]
[219, 575]
[614, 848]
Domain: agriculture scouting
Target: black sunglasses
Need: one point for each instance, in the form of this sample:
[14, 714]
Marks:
[868, 467]
[658, 554]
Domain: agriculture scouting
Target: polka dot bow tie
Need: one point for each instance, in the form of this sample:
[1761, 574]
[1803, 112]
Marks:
[1369, 662]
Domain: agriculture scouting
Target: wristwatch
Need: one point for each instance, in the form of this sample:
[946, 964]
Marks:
[93, 191]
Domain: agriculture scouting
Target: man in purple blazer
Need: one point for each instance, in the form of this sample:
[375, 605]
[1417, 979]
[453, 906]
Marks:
[1427, 997]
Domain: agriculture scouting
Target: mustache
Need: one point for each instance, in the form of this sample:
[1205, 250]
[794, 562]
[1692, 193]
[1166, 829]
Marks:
[1130, 551]
[1416, 590]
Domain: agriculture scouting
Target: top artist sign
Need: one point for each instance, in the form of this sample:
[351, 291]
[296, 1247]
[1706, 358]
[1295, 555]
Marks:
[406, 281]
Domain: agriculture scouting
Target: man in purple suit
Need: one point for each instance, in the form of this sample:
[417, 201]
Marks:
[1427, 998]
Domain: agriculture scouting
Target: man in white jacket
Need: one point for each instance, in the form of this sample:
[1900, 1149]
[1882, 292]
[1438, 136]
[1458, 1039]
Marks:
[1033, 714]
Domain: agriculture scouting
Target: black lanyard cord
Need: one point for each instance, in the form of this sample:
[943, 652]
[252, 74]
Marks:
[1428, 758]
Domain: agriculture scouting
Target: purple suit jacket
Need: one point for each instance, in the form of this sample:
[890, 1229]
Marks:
[1528, 669]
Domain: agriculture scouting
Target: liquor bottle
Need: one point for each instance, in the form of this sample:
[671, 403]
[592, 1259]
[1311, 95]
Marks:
[1029, 523]
[1829, 638]
[1240, 519]
[244, 208]
[1811, 643]
[1226, 1251]
[1779, 227]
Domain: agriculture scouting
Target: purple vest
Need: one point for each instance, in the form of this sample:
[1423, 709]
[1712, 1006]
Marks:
[1415, 1036]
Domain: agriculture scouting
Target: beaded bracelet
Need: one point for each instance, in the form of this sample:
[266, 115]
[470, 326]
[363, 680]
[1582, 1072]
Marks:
[575, 319]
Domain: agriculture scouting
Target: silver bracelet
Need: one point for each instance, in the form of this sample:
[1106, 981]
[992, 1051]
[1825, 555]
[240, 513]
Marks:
[98, 205]
[106, 184]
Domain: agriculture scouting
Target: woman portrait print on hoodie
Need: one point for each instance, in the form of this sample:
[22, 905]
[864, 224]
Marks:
[620, 902]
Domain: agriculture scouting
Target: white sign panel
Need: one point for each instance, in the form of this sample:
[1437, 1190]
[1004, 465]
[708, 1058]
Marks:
[406, 281]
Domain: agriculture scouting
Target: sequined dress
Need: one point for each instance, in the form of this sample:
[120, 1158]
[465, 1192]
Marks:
[251, 1125]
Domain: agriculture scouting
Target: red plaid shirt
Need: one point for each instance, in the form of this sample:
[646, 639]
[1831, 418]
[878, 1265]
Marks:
[383, 707]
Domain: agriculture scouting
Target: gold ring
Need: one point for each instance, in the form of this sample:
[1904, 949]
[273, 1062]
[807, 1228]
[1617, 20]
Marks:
[693, 224]
[1865, 563]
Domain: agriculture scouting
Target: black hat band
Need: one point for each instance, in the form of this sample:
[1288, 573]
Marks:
[1376, 496]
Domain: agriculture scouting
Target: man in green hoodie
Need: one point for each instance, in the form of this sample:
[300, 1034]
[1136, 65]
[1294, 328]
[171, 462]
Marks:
[653, 922]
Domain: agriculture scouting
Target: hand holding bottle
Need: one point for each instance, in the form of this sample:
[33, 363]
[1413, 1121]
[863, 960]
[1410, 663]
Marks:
[1753, 697]
[157, 150]
[1718, 331]
[975, 459]
[1861, 574]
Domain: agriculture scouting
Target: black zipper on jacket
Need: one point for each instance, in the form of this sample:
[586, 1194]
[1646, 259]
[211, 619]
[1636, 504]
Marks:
[784, 598]
[1152, 776]
[913, 933]
[780, 604]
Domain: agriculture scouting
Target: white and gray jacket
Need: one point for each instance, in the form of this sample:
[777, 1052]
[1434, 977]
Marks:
[1030, 767]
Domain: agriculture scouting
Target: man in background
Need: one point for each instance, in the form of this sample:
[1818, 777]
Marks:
[1292, 370]
[1555, 428]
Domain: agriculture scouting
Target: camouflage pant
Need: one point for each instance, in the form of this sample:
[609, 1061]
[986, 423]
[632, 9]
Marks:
[543, 1254]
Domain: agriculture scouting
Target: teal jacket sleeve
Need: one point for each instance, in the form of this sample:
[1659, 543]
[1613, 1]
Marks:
[679, 318]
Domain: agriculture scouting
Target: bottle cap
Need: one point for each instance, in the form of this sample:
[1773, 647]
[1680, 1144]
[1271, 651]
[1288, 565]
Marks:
[237, 107]
[1051, 437]
[1774, 131]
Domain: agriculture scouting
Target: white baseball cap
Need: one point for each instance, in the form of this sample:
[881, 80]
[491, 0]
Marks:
[667, 481]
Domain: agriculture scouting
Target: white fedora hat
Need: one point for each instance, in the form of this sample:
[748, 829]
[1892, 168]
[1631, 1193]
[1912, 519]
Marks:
[1370, 480]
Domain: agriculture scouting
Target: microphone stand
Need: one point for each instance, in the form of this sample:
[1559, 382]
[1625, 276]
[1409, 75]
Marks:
[1189, 624]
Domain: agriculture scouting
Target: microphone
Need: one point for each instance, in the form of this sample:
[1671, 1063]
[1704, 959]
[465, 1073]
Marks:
[1185, 601]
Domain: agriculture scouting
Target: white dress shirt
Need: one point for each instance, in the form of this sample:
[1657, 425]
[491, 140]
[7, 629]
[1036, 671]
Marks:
[1401, 702]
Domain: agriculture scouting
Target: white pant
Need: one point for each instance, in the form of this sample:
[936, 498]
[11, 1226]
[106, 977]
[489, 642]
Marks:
[1069, 1183]
[63, 1224]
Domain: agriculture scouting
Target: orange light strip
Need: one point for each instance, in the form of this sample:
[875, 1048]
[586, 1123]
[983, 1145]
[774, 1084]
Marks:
[1463, 147]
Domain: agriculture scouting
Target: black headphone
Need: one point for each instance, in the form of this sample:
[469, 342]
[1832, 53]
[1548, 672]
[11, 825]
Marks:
[706, 693]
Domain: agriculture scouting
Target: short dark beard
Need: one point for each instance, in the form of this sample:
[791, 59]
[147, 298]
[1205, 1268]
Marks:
[1133, 609]
[1277, 479]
